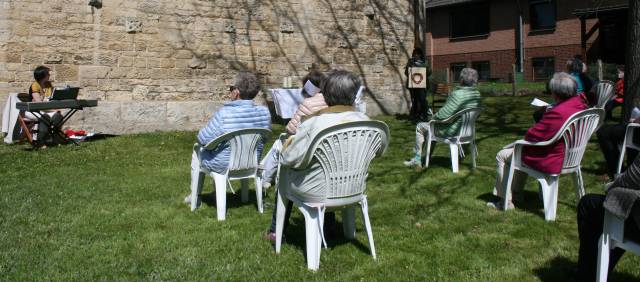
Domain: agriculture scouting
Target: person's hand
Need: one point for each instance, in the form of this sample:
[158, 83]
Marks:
[636, 120]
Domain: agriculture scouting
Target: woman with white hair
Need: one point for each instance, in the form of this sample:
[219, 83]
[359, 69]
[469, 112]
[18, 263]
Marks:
[463, 97]
[547, 159]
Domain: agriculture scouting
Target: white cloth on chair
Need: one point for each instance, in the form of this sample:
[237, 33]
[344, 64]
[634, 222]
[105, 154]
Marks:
[286, 101]
[10, 117]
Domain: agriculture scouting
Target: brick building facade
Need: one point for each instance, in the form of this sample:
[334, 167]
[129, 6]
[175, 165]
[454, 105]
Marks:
[538, 36]
[166, 65]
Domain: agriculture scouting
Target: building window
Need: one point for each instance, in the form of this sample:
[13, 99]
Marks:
[484, 70]
[456, 68]
[542, 14]
[543, 68]
[469, 20]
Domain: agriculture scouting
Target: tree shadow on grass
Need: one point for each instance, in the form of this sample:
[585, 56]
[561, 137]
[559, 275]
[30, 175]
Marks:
[531, 202]
[295, 234]
[564, 269]
[233, 200]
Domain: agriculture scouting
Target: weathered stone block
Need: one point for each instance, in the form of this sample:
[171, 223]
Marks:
[144, 111]
[197, 63]
[125, 61]
[53, 59]
[93, 72]
[66, 72]
[133, 25]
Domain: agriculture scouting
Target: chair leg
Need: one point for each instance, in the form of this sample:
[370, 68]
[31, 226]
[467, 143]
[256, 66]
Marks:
[349, 222]
[454, 157]
[244, 191]
[367, 225]
[507, 188]
[579, 185]
[312, 222]
[428, 151]
[259, 194]
[197, 179]
[281, 206]
[474, 153]
[623, 150]
[604, 249]
[549, 189]
[220, 182]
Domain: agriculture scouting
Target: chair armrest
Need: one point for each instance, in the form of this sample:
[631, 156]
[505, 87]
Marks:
[523, 142]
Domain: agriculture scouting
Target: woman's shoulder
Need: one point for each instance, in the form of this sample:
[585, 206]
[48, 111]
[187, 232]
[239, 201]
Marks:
[35, 86]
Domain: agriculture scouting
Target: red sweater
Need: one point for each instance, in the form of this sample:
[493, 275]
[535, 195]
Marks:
[619, 91]
[549, 159]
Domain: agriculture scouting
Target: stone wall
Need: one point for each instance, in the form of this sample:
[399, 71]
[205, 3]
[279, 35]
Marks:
[165, 64]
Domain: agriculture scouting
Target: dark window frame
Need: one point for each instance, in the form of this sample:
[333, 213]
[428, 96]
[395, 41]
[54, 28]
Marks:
[459, 8]
[552, 62]
[455, 75]
[533, 24]
[474, 65]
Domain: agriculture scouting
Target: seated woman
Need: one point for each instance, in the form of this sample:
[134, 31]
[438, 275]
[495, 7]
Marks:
[239, 113]
[313, 102]
[610, 139]
[40, 91]
[463, 97]
[339, 89]
[546, 159]
[620, 199]
[618, 99]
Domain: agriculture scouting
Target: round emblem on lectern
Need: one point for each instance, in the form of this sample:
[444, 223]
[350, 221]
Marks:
[417, 78]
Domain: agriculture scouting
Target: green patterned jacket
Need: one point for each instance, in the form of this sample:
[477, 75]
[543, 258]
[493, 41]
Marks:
[463, 97]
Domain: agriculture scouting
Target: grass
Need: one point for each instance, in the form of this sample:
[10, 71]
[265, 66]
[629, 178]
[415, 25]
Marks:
[112, 210]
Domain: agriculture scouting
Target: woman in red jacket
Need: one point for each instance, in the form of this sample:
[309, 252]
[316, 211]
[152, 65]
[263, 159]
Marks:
[546, 159]
[619, 98]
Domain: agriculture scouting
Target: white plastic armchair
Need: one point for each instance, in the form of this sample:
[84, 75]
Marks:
[575, 133]
[604, 93]
[243, 164]
[627, 143]
[344, 152]
[466, 135]
[612, 237]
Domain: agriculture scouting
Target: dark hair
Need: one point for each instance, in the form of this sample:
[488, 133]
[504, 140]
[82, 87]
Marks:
[248, 84]
[316, 77]
[40, 73]
[620, 68]
[575, 65]
[340, 88]
[419, 52]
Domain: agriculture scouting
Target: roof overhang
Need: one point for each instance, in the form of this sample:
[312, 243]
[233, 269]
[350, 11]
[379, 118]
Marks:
[430, 4]
[593, 12]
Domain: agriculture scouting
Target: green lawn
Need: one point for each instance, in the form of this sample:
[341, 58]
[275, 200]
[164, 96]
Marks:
[112, 210]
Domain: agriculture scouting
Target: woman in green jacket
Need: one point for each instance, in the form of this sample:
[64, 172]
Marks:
[463, 97]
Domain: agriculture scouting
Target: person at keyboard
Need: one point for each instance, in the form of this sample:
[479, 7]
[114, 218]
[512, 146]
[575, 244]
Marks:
[41, 90]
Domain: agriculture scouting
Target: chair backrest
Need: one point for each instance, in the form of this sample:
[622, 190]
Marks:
[604, 93]
[468, 118]
[345, 151]
[243, 144]
[577, 131]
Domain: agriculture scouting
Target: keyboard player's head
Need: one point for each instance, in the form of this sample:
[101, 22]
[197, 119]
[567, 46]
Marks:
[41, 88]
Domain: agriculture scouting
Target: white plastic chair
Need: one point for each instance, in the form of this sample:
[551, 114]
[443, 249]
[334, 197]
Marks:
[604, 93]
[243, 164]
[627, 143]
[466, 135]
[612, 237]
[575, 132]
[344, 152]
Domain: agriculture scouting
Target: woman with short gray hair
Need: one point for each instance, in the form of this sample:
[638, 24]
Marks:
[463, 97]
[547, 159]
[468, 77]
